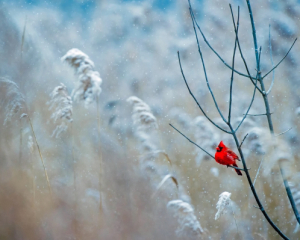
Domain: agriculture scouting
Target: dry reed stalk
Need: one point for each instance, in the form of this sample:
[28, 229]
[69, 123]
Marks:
[88, 89]
[30, 146]
[100, 158]
[40, 154]
[14, 101]
[75, 186]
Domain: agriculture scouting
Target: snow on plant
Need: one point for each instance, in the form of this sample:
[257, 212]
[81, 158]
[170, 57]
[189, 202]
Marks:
[142, 117]
[89, 86]
[188, 223]
[222, 204]
[61, 104]
[144, 123]
[11, 99]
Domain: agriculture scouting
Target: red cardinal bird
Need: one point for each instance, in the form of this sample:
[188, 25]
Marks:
[227, 157]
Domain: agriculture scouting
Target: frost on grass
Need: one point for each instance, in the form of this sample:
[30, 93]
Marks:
[11, 100]
[61, 104]
[206, 137]
[144, 123]
[222, 204]
[273, 150]
[89, 86]
[142, 117]
[188, 225]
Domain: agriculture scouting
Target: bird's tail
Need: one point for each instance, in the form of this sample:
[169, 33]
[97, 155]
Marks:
[237, 170]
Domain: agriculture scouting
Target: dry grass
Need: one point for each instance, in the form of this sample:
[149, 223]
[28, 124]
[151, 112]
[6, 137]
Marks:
[134, 165]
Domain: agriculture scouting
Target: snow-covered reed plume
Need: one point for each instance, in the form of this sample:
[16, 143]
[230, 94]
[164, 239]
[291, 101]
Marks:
[144, 124]
[189, 226]
[206, 136]
[61, 104]
[181, 117]
[259, 140]
[273, 149]
[89, 86]
[142, 117]
[11, 99]
[222, 204]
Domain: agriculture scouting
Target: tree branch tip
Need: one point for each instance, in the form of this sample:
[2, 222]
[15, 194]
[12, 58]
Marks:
[283, 132]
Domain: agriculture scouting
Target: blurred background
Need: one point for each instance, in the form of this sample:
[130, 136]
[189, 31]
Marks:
[106, 187]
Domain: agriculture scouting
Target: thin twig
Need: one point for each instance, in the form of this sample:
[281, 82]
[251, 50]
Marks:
[283, 132]
[257, 172]
[204, 69]
[255, 115]
[208, 44]
[232, 72]
[242, 56]
[280, 60]
[243, 141]
[271, 57]
[192, 141]
[195, 97]
[252, 100]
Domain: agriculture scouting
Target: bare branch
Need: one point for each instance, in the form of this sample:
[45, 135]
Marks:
[257, 172]
[232, 72]
[204, 69]
[252, 100]
[208, 44]
[255, 115]
[196, 99]
[283, 132]
[192, 141]
[242, 56]
[271, 57]
[280, 60]
[274, 226]
[243, 141]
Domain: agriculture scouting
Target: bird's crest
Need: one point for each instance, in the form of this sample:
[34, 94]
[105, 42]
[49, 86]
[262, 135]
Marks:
[221, 144]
